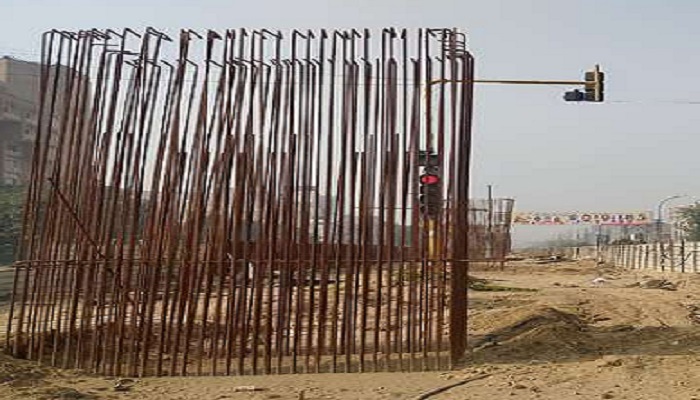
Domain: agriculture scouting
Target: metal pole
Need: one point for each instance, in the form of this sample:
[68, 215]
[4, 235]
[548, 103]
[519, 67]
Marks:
[659, 217]
[508, 82]
[489, 225]
[598, 243]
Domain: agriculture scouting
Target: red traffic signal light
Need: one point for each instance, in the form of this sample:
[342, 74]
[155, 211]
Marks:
[429, 179]
[430, 197]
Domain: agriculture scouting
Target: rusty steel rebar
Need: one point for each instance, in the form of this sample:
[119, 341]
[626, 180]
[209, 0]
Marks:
[246, 202]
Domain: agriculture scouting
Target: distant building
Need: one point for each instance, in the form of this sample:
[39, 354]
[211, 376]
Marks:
[19, 115]
[19, 97]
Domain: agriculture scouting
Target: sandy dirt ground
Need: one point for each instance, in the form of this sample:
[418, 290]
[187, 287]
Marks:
[568, 338]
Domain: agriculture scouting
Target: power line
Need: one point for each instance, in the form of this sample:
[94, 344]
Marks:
[678, 102]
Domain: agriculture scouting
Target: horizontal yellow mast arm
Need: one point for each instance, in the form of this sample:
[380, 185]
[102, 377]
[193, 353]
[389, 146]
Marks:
[509, 82]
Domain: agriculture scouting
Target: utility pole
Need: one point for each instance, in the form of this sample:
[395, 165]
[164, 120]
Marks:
[599, 244]
[489, 224]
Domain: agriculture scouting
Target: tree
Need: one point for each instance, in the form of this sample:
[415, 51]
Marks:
[690, 221]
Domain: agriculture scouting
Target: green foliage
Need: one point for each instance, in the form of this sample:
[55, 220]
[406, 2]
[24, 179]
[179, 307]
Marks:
[690, 216]
[11, 206]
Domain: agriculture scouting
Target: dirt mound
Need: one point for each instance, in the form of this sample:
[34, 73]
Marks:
[21, 373]
[541, 333]
[500, 319]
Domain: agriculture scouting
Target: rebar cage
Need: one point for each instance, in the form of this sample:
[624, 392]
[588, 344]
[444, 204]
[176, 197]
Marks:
[246, 202]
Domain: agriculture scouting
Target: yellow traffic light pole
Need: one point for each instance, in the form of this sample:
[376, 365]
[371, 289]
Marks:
[430, 224]
[433, 244]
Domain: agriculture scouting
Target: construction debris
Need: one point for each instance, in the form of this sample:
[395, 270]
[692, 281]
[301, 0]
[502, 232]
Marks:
[656, 284]
[599, 281]
[553, 260]
[124, 384]
[248, 389]
[445, 388]
[694, 314]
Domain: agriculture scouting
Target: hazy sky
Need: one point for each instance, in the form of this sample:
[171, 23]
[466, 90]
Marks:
[626, 154]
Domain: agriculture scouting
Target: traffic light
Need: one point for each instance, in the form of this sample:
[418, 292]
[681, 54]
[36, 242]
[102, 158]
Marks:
[593, 88]
[594, 85]
[574, 95]
[430, 197]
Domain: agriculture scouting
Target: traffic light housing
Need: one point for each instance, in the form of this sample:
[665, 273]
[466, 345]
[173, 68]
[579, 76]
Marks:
[574, 95]
[430, 194]
[594, 86]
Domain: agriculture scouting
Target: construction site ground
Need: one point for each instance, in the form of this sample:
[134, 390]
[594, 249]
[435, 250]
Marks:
[559, 330]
